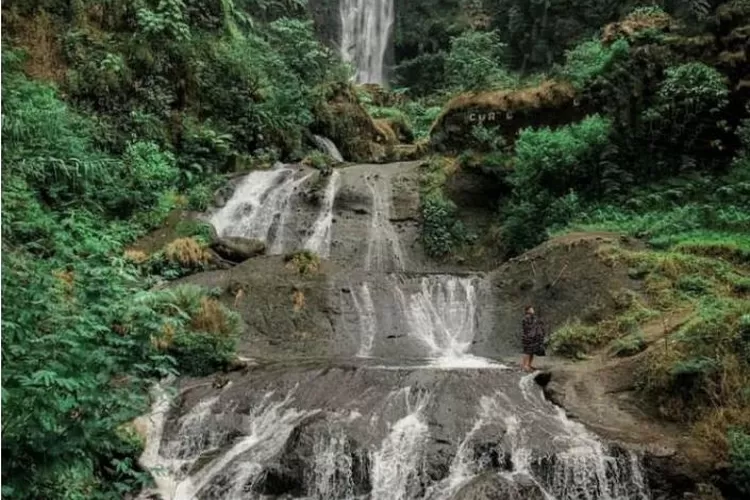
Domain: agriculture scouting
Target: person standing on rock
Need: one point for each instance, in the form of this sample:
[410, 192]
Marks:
[532, 338]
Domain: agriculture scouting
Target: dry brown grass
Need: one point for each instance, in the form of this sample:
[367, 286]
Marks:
[304, 262]
[187, 252]
[211, 318]
[135, 256]
[711, 430]
[385, 128]
[548, 94]
[635, 22]
[298, 300]
[165, 340]
[39, 35]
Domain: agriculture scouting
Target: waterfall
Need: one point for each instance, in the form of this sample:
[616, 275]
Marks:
[239, 460]
[365, 32]
[332, 467]
[396, 462]
[383, 244]
[392, 402]
[327, 146]
[366, 318]
[260, 206]
[442, 314]
[320, 240]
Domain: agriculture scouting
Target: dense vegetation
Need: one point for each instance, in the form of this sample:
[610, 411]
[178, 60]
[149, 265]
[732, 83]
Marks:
[656, 146]
[117, 113]
[113, 116]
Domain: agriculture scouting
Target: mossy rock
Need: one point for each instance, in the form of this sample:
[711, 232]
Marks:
[508, 111]
[344, 120]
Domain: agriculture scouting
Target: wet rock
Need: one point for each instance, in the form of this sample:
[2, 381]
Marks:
[492, 486]
[318, 450]
[238, 249]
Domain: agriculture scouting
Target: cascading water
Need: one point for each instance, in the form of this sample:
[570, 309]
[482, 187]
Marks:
[260, 206]
[396, 463]
[365, 33]
[327, 146]
[442, 315]
[383, 424]
[383, 244]
[320, 240]
[366, 318]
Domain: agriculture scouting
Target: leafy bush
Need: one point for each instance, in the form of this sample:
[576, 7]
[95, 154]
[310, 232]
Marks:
[739, 456]
[573, 339]
[687, 104]
[591, 59]
[442, 231]
[549, 164]
[475, 62]
[198, 331]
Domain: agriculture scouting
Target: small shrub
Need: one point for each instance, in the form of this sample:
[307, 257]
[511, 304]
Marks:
[304, 262]
[629, 345]
[590, 59]
[475, 62]
[693, 284]
[187, 252]
[200, 333]
[199, 198]
[197, 229]
[739, 458]
[574, 339]
[319, 160]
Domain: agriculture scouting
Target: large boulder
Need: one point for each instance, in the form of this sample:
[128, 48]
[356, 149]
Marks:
[237, 249]
[344, 120]
[549, 103]
[492, 486]
[315, 459]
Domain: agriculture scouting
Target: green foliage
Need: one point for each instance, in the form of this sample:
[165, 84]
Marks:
[739, 455]
[197, 331]
[549, 166]
[574, 339]
[629, 345]
[591, 59]
[693, 284]
[442, 232]
[475, 62]
[687, 104]
[77, 325]
[199, 229]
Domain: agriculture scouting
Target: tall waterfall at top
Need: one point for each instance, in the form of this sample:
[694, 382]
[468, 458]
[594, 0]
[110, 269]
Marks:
[365, 31]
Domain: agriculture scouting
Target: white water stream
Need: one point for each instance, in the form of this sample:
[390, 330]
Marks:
[260, 207]
[327, 146]
[320, 240]
[384, 252]
[366, 27]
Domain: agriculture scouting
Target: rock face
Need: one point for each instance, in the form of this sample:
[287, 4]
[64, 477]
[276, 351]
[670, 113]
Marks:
[332, 430]
[345, 121]
[492, 487]
[376, 372]
[548, 104]
[237, 249]
[284, 313]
